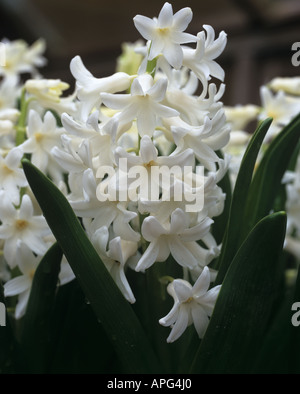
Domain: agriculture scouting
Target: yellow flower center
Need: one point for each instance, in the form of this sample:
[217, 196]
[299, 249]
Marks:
[38, 137]
[163, 31]
[21, 224]
[273, 114]
[149, 164]
[190, 299]
[6, 170]
[31, 273]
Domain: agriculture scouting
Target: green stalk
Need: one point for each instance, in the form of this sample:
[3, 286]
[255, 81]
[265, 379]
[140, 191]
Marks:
[21, 125]
[151, 65]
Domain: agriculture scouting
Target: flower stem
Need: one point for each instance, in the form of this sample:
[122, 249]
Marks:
[21, 125]
[151, 65]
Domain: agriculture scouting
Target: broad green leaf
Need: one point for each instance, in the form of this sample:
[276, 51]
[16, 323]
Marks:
[244, 307]
[35, 331]
[268, 176]
[231, 240]
[277, 348]
[80, 344]
[111, 308]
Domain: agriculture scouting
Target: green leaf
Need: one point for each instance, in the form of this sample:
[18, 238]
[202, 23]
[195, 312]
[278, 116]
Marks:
[236, 221]
[277, 348]
[80, 345]
[244, 307]
[111, 308]
[35, 331]
[268, 176]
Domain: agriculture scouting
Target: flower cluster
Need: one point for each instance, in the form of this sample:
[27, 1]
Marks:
[27, 127]
[166, 117]
[280, 100]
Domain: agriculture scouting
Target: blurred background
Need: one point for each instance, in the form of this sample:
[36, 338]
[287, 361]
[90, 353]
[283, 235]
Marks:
[260, 35]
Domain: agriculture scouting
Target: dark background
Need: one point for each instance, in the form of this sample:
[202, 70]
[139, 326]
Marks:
[260, 35]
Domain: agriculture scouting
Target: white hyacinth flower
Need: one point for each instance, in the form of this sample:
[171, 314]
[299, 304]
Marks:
[115, 258]
[192, 305]
[201, 60]
[21, 224]
[21, 285]
[49, 95]
[88, 87]
[290, 85]
[27, 262]
[142, 104]
[42, 136]
[12, 177]
[169, 137]
[166, 33]
[176, 238]
[279, 107]
[21, 58]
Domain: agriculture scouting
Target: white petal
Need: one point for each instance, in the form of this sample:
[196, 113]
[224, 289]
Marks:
[129, 113]
[163, 250]
[115, 250]
[122, 227]
[148, 151]
[165, 17]
[152, 229]
[183, 38]
[25, 259]
[182, 18]
[202, 283]
[174, 55]
[115, 101]
[148, 258]
[26, 209]
[164, 111]
[183, 289]
[49, 122]
[181, 253]
[209, 299]
[17, 285]
[13, 158]
[180, 325]
[171, 317]
[197, 232]
[157, 46]
[145, 26]
[123, 285]
[179, 221]
[35, 123]
[78, 70]
[40, 159]
[22, 304]
[136, 88]
[200, 320]
[9, 251]
[158, 90]
[146, 121]
[7, 210]
[66, 273]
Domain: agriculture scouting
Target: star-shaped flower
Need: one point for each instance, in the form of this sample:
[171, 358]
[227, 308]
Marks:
[143, 104]
[21, 224]
[166, 33]
[176, 238]
[192, 305]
